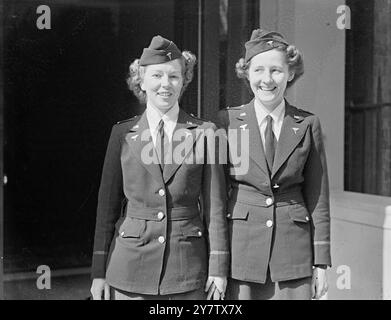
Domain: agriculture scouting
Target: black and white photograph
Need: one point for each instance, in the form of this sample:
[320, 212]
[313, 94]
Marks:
[217, 151]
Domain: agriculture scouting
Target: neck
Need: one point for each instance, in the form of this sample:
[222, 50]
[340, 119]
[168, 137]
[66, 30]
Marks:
[161, 112]
[270, 107]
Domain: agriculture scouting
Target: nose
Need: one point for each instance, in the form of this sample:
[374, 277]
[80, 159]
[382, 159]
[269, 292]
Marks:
[165, 81]
[266, 77]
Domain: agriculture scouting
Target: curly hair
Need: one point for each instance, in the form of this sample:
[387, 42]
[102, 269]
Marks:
[294, 59]
[136, 74]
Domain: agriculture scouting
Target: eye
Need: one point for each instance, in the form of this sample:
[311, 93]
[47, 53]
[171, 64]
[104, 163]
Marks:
[156, 75]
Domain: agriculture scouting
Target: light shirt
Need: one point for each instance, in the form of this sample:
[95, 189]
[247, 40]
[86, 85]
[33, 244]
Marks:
[278, 117]
[170, 119]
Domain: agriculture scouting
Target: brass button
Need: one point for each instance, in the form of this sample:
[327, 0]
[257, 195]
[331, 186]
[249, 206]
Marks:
[307, 218]
[200, 233]
[160, 215]
[269, 201]
[122, 233]
[162, 192]
[161, 239]
[269, 223]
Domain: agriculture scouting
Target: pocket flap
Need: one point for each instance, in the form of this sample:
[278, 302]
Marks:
[299, 213]
[237, 211]
[193, 231]
[131, 228]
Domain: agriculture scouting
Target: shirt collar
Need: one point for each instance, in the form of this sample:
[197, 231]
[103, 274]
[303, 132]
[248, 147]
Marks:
[154, 116]
[261, 111]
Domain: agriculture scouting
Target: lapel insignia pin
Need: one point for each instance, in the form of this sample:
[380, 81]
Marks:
[295, 130]
[190, 123]
[243, 126]
[136, 126]
[242, 114]
[270, 43]
[134, 137]
[169, 55]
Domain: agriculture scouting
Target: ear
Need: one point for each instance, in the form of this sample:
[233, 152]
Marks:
[291, 76]
[142, 85]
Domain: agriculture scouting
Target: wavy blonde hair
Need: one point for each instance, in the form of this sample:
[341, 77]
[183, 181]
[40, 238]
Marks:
[136, 74]
[294, 59]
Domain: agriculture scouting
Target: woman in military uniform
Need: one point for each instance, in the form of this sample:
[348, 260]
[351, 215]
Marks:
[161, 230]
[278, 210]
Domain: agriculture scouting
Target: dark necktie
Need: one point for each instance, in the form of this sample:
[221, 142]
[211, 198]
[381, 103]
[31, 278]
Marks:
[270, 143]
[160, 143]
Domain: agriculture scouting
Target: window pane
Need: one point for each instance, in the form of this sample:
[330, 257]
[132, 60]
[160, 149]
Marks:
[368, 98]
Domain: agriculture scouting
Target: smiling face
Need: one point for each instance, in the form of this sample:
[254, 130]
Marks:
[162, 84]
[268, 75]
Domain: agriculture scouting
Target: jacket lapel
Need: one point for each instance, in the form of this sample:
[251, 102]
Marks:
[256, 151]
[292, 131]
[188, 137]
[140, 143]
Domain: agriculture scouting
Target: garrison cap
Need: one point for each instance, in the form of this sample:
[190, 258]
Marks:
[261, 41]
[160, 50]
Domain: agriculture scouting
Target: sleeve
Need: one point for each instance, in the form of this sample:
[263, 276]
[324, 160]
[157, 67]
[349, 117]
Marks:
[110, 199]
[316, 196]
[213, 199]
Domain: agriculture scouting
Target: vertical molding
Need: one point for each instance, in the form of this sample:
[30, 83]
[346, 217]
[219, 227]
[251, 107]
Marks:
[243, 17]
[382, 91]
[209, 63]
[1, 152]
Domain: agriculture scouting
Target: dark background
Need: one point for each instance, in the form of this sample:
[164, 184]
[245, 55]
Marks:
[63, 90]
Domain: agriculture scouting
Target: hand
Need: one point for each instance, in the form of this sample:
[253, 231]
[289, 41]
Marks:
[100, 289]
[215, 286]
[319, 284]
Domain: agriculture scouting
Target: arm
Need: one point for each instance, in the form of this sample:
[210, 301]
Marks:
[109, 205]
[213, 200]
[316, 195]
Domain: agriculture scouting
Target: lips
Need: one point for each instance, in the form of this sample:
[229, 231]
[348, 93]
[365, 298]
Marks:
[267, 89]
[164, 94]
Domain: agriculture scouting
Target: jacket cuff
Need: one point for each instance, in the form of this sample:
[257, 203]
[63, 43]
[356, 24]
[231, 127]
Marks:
[98, 269]
[322, 253]
[219, 263]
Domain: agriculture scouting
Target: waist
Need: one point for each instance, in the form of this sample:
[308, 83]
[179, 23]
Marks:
[157, 214]
[248, 195]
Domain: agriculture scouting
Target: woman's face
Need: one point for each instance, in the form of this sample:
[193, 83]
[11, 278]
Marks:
[268, 75]
[162, 84]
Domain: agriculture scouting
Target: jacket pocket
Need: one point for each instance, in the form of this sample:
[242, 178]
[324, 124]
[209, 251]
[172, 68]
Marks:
[299, 213]
[237, 211]
[192, 232]
[131, 228]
